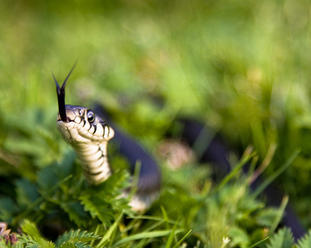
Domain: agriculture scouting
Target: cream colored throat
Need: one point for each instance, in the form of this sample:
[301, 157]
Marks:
[94, 161]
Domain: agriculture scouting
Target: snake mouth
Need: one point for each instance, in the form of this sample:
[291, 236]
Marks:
[61, 97]
[66, 120]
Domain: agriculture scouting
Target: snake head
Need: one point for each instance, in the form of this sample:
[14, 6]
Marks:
[83, 126]
[79, 125]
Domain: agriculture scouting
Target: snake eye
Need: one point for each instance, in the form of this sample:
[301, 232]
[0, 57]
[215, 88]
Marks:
[90, 116]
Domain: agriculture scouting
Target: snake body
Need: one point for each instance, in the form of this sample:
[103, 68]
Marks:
[89, 135]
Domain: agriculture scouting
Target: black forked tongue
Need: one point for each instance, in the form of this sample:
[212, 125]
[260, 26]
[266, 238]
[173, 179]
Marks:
[61, 96]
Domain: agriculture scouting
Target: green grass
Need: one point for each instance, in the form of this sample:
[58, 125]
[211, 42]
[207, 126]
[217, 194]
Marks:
[242, 67]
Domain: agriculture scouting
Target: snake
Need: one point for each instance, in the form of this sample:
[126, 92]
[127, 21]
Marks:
[89, 134]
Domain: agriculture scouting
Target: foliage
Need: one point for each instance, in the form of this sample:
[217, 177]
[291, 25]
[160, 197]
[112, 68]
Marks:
[239, 66]
[284, 239]
[59, 199]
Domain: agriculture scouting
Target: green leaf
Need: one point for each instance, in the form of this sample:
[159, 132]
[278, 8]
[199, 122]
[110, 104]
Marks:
[31, 230]
[26, 192]
[7, 209]
[305, 241]
[97, 207]
[47, 177]
[76, 237]
[267, 217]
[103, 201]
[75, 212]
[238, 237]
[283, 239]
[81, 245]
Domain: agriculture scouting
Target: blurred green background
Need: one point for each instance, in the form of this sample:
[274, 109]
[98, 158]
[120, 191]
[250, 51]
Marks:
[242, 67]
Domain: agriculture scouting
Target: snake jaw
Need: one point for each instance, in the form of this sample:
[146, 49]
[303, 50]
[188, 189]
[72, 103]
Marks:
[78, 130]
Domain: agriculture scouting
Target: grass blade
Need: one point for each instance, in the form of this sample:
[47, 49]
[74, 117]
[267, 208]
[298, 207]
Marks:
[270, 179]
[145, 235]
[109, 233]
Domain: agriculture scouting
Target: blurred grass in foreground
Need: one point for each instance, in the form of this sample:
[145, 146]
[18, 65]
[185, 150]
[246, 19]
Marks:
[241, 66]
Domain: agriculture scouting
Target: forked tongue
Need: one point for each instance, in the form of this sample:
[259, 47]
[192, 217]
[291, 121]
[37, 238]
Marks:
[61, 96]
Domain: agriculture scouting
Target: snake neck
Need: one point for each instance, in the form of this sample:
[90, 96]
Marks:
[94, 161]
